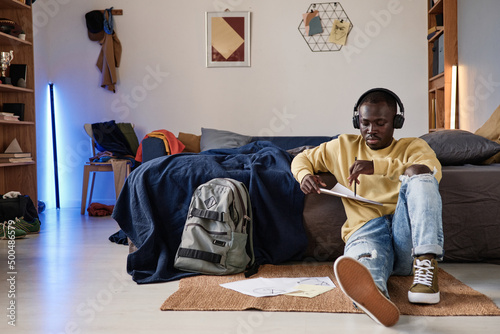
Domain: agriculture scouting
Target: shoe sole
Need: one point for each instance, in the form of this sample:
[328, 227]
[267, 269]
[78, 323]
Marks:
[423, 298]
[357, 283]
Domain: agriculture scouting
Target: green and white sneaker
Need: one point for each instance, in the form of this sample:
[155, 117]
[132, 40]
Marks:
[7, 234]
[33, 227]
[425, 289]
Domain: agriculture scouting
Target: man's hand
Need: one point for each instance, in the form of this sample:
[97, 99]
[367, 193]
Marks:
[310, 184]
[359, 167]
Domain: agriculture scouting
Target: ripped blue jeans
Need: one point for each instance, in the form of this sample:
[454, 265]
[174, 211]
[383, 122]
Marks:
[387, 245]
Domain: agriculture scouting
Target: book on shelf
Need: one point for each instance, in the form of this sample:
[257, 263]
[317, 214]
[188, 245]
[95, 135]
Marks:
[16, 155]
[13, 160]
[433, 32]
[9, 118]
[17, 109]
[434, 29]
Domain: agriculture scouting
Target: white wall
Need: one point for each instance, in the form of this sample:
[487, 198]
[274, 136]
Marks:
[478, 58]
[315, 91]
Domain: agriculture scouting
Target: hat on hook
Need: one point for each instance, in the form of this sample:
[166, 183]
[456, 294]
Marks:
[95, 25]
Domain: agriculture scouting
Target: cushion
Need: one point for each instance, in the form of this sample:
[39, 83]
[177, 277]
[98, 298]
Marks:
[459, 147]
[212, 138]
[190, 141]
[152, 148]
[291, 142]
[491, 130]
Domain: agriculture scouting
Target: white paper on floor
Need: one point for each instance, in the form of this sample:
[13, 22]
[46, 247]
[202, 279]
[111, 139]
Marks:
[265, 287]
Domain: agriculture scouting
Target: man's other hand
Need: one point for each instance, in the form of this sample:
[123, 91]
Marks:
[310, 184]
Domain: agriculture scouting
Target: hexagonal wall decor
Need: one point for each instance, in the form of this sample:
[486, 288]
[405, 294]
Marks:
[328, 13]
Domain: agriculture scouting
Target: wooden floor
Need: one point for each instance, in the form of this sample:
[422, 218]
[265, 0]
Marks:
[70, 278]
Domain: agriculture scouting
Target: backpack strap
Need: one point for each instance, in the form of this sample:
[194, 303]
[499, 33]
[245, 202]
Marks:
[198, 254]
[208, 214]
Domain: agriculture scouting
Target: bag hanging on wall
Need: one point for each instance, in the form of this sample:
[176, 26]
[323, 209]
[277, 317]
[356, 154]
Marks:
[217, 238]
[17, 207]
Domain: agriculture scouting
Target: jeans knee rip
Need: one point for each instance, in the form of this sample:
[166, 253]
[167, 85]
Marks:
[367, 256]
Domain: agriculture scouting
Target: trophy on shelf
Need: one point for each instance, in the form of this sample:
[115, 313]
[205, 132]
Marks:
[5, 59]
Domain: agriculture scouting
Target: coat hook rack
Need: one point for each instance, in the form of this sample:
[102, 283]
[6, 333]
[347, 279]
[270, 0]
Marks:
[114, 11]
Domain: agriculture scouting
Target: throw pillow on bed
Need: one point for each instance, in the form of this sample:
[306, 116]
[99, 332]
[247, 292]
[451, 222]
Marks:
[459, 147]
[190, 141]
[212, 138]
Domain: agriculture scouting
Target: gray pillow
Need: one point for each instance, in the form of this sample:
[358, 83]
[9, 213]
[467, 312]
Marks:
[459, 147]
[212, 138]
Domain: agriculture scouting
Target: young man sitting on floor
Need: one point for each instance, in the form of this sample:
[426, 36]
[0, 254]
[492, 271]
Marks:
[403, 236]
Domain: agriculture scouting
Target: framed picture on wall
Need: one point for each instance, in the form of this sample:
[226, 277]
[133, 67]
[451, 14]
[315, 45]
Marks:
[228, 39]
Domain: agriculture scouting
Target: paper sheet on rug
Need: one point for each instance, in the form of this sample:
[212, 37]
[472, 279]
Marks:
[266, 287]
[341, 191]
[309, 291]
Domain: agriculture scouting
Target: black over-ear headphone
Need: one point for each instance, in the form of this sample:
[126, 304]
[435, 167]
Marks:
[399, 119]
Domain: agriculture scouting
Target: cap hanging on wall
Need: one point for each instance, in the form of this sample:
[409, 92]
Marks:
[95, 25]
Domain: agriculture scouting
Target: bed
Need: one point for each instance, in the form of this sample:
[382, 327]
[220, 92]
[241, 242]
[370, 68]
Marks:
[152, 206]
[289, 226]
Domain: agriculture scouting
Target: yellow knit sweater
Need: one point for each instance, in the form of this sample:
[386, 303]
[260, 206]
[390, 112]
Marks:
[337, 155]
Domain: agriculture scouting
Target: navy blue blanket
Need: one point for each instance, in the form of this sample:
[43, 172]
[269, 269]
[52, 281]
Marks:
[153, 204]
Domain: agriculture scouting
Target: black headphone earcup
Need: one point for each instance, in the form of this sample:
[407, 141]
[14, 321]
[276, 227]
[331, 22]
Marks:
[398, 121]
[355, 122]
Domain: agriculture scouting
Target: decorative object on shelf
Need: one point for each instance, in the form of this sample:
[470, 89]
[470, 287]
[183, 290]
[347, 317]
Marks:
[5, 59]
[13, 147]
[14, 154]
[10, 27]
[227, 39]
[17, 74]
[335, 27]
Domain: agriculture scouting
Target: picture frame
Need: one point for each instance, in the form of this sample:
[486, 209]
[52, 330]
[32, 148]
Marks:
[227, 39]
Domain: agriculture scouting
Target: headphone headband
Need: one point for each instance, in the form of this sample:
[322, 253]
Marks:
[398, 118]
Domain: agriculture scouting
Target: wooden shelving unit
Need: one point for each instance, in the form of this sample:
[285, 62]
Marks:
[20, 177]
[440, 101]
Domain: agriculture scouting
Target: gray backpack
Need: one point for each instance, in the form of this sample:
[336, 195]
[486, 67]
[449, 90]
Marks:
[217, 238]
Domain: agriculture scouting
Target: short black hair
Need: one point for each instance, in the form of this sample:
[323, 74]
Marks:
[380, 96]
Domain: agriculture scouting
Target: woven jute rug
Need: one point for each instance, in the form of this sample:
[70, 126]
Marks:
[203, 293]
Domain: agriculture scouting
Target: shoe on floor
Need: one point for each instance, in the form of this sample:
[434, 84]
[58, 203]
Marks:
[6, 229]
[32, 227]
[425, 289]
[357, 283]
